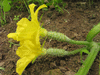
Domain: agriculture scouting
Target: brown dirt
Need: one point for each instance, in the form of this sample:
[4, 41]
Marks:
[75, 24]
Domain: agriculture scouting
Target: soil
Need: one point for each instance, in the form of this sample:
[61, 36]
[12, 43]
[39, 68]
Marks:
[75, 23]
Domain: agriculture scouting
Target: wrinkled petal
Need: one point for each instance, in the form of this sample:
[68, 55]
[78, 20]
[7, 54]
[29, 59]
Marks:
[26, 26]
[23, 62]
[28, 48]
[26, 29]
[22, 24]
[33, 38]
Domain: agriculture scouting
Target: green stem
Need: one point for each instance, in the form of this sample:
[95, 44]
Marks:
[1, 16]
[4, 18]
[63, 38]
[13, 43]
[89, 60]
[78, 42]
[93, 32]
[26, 6]
[98, 43]
[99, 66]
[62, 52]
[99, 63]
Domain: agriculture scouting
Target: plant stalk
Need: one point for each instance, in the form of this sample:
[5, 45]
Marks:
[63, 38]
[62, 52]
[89, 60]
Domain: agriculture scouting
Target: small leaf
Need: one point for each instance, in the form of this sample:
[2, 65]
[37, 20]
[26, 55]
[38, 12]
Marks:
[2, 68]
[6, 6]
[85, 51]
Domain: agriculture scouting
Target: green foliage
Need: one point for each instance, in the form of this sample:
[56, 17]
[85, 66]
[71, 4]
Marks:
[58, 4]
[83, 51]
[99, 66]
[11, 43]
[5, 7]
[7, 4]
[57, 7]
[90, 2]
[16, 17]
[40, 17]
[1, 68]
[55, 3]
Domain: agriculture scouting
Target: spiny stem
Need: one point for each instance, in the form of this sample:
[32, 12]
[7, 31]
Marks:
[62, 52]
[63, 38]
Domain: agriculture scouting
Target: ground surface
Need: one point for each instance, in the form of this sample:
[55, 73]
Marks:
[75, 23]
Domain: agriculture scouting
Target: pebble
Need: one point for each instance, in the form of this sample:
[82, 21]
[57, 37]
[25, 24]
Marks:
[1, 63]
[65, 47]
[0, 32]
[15, 47]
[62, 62]
[62, 69]
[53, 65]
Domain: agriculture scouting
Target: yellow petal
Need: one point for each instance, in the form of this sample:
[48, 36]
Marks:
[23, 62]
[34, 18]
[32, 6]
[22, 24]
[37, 38]
[27, 48]
[13, 35]
[26, 29]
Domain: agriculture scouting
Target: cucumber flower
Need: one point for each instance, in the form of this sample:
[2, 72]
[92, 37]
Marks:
[27, 52]
[28, 33]
[25, 28]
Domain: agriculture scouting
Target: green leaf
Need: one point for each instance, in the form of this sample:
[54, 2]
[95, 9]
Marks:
[2, 68]
[6, 5]
[0, 3]
[48, 4]
[85, 51]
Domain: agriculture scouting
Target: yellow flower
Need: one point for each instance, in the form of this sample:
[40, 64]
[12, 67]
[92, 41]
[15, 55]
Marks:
[25, 28]
[28, 33]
